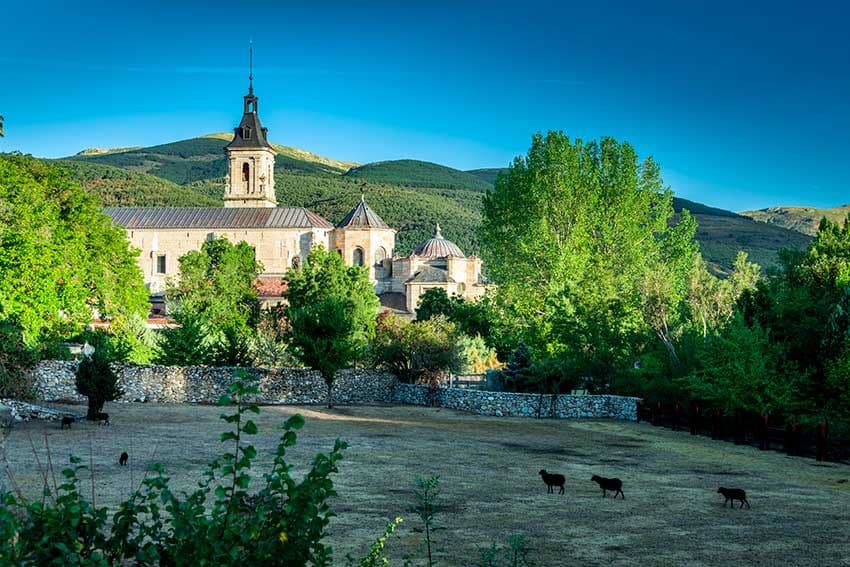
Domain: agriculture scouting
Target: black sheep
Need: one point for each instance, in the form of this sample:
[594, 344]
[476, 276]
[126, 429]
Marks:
[613, 484]
[732, 494]
[122, 460]
[66, 422]
[102, 418]
[552, 480]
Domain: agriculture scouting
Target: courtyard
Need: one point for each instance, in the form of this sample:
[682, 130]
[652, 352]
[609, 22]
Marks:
[671, 514]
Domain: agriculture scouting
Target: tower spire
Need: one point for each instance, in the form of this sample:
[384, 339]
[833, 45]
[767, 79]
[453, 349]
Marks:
[251, 67]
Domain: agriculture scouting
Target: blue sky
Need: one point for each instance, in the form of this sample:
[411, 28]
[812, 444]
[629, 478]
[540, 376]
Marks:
[744, 104]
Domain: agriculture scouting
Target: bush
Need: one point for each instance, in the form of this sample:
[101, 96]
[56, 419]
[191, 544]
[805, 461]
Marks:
[97, 381]
[416, 352]
[15, 359]
[220, 523]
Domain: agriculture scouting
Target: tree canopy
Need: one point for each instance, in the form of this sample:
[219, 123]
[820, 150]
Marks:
[215, 303]
[61, 259]
[331, 310]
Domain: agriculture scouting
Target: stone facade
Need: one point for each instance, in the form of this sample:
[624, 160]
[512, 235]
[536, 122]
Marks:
[278, 249]
[284, 237]
[511, 404]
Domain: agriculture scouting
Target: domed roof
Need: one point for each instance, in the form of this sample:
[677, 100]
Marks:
[438, 247]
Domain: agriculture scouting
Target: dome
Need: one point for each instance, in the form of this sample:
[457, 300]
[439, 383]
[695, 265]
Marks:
[438, 247]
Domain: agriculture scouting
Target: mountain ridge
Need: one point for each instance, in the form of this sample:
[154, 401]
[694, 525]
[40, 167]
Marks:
[410, 195]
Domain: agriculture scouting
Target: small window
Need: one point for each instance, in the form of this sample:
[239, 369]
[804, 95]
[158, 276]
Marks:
[380, 256]
[246, 170]
[246, 133]
[160, 264]
[296, 262]
[357, 257]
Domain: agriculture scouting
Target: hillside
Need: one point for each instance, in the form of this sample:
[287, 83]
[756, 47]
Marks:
[413, 173]
[202, 158]
[801, 219]
[411, 196]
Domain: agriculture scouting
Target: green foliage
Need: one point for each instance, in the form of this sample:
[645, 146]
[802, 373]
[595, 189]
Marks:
[517, 374]
[476, 357]
[215, 300]
[133, 339]
[427, 507]
[740, 372]
[15, 359]
[60, 257]
[375, 556]
[271, 345]
[514, 554]
[331, 310]
[418, 174]
[434, 302]
[571, 235]
[283, 522]
[96, 380]
[118, 187]
[185, 344]
[418, 351]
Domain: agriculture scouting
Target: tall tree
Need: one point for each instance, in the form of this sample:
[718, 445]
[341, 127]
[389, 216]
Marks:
[61, 259]
[570, 234]
[331, 309]
[214, 296]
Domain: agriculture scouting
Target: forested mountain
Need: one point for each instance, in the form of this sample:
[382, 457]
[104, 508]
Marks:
[410, 195]
[801, 219]
[414, 173]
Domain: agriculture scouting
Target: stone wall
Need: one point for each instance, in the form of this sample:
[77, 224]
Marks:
[519, 405]
[54, 381]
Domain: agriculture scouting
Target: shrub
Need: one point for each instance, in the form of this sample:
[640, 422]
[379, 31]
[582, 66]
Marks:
[97, 381]
[15, 359]
[219, 523]
[418, 351]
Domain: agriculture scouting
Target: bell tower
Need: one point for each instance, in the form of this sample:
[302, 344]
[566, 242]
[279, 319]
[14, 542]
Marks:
[250, 157]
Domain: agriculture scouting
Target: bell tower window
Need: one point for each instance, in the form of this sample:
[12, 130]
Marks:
[246, 170]
[246, 132]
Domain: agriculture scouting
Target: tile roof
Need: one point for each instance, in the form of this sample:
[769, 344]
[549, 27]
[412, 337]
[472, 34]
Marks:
[362, 216]
[215, 217]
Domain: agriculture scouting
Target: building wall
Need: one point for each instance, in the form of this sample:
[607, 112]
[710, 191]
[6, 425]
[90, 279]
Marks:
[369, 241]
[258, 190]
[276, 248]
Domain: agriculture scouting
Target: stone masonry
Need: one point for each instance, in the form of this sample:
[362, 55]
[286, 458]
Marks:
[54, 381]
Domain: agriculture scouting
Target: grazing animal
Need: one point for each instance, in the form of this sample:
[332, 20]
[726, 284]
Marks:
[66, 422]
[732, 494]
[552, 480]
[615, 485]
[122, 460]
[102, 418]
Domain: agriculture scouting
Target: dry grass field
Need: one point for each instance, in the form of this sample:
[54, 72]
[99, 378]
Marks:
[671, 515]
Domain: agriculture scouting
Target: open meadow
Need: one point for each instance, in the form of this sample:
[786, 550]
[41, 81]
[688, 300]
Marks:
[671, 514]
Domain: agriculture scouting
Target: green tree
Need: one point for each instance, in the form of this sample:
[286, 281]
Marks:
[741, 370]
[571, 235]
[96, 380]
[331, 310]
[417, 351]
[434, 302]
[215, 297]
[61, 260]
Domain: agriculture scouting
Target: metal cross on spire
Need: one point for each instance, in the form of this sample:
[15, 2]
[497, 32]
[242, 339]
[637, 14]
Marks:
[251, 66]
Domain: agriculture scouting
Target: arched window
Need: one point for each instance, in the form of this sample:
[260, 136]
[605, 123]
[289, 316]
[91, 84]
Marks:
[461, 288]
[380, 256]
[296, 262]
[246, 132]
[357, 257]
[246, 170]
